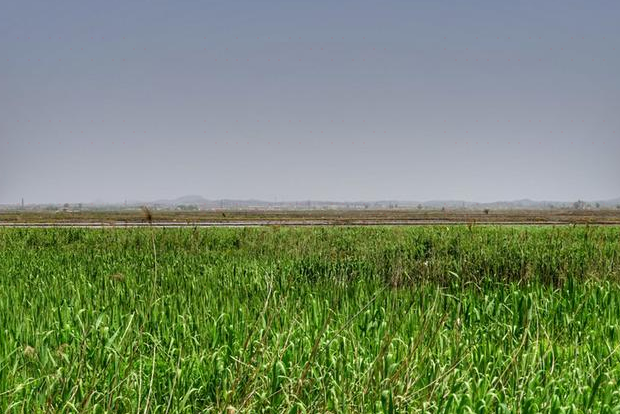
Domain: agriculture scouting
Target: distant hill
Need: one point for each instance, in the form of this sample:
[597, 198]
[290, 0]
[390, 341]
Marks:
[185, 200]
[197, 202]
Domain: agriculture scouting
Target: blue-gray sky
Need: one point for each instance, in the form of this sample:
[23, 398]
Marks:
[476, 100]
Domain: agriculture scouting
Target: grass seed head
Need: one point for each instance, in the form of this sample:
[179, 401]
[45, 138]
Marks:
[118, 277]
[30, 352]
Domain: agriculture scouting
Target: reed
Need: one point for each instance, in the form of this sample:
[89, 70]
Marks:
[375, 319]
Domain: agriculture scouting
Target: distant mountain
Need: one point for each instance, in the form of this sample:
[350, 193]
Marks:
[190, 199]
[199, 202]
[184, 200]
[196, 200]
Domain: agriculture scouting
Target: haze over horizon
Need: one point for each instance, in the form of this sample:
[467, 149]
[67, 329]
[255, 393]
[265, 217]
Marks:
[478, 101]
[198, 199]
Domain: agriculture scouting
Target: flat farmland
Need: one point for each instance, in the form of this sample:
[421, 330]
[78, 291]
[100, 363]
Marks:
[314, 217]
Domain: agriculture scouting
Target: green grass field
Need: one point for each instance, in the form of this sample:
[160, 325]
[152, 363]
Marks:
[376, 319]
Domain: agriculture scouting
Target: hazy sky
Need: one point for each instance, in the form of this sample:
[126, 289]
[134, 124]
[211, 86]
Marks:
[331, 100]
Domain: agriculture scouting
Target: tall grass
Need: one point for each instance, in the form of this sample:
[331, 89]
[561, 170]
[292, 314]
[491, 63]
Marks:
[377, 319]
